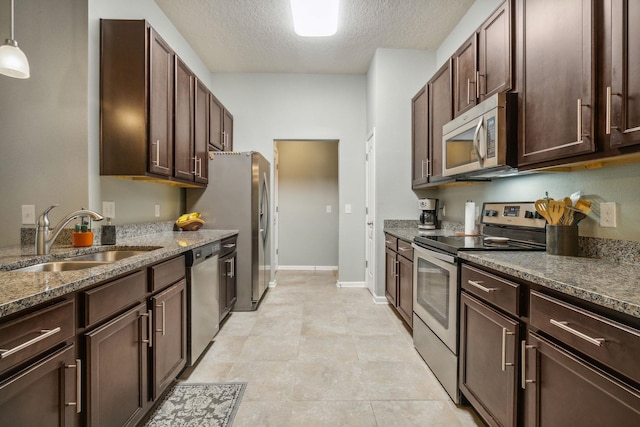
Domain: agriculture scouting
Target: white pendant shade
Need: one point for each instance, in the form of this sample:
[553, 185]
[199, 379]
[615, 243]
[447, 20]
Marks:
[13, 62]
[315, 18]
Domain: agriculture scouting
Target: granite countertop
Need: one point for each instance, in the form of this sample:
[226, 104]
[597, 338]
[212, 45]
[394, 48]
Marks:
[408, 233]
[603, 282]
[20, 290]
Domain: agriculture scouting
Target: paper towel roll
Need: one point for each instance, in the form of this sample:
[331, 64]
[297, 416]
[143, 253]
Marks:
[470, 217]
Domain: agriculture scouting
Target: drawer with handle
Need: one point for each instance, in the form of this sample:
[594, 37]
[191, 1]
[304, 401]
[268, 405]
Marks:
[493, 289]
[34, 333]
[228, 245]
[167, 273]
[405, 249]
[391, 242]
[611, 343]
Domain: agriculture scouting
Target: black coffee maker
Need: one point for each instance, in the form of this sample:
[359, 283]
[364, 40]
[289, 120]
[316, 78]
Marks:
[429, 214]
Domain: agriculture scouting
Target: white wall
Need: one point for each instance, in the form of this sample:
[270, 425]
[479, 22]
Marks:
[269, 107]
[307, 184]
[135, 201]
[394, 77]
[43, 119]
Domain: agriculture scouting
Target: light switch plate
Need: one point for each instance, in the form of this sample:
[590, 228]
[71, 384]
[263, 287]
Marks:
[28, 214]
[608, 214]
[347, 209]
[109, 209]
[157, 211]
[328, 208]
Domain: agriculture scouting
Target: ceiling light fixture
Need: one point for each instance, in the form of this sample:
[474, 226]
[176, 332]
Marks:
[13, 62]
[315, 18]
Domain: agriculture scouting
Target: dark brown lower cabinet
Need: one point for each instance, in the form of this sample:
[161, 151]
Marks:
[43, 394]
[117, 375]
[488, 361]
[390, 276]
[399, 277]
[405, 289]
[169, 345]
[561, 389]
[227, 278]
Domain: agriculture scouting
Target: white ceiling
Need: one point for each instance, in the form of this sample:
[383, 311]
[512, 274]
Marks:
[250, 36]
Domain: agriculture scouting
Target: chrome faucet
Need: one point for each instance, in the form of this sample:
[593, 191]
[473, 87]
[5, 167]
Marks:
[45, 236]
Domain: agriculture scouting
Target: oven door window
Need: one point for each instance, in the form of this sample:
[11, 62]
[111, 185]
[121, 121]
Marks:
[433, 291]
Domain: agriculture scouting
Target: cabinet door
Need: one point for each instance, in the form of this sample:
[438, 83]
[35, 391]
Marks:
[227, 127]
[556, 80]
[440, 113]
[391, 276]
[495, 59]
[488, 360]
[420, 138]
[405, 289]
[43, 394]
[464, 76]
[117, 375]
[201, 135]
[215, 123]
[563, 390]
[169, 345]
[623, 122]
[223, 274]
[184, 93]
[160, 106]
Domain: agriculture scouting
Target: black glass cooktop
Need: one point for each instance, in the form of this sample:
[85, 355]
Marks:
[453, 244]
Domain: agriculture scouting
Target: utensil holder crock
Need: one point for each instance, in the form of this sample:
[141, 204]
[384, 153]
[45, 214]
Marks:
[562, 240]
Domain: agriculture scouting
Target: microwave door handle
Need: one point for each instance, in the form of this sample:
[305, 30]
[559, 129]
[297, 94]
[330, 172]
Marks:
[476, 141]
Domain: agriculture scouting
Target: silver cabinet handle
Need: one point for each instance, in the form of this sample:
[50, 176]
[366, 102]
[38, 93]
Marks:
[397, 264]
[477, 84]
[388, 242]
[149, 316]
[579, 120]
[403, 249]
[523, 365]
[44, 334]
[468, 89]
[608, 126]
[232, 266]
[482, 288]
[157, 160]
[164, 324]
[504, 363]
[565, 327]
[229, 245]
[77, 403]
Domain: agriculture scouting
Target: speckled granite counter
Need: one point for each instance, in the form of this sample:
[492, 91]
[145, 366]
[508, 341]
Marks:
[607, 283]
[20, 290]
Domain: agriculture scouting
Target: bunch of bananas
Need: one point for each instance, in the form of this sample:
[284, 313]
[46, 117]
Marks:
[190, 221]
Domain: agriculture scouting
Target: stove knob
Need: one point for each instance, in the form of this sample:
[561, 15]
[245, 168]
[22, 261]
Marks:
[493, 213]
[529, 214]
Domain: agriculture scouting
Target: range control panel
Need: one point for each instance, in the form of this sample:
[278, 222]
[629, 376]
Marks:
[512, 214]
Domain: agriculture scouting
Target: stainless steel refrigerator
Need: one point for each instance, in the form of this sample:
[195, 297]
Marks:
[237, 198]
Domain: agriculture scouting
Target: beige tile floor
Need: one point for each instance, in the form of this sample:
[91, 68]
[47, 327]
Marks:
[314, 355]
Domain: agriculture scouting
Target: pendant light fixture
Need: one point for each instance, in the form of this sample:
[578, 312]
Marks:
[13, 62]
[315, 18]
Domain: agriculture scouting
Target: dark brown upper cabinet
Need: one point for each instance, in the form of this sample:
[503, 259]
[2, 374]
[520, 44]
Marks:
[220, 126]
[201, 133]
[419, 138]
[556, 81]
[620, 88]
[148, 125]
[483, 65]
[183, 122]
[465, 86]
[440, 113]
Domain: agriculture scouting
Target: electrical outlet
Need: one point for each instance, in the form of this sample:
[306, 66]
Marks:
[328, 208]
[347, 209]
[608, 214]
[28, 214]
[109, 209]
[157, 213]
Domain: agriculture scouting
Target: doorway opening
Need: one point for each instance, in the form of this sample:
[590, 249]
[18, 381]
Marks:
[306, 204]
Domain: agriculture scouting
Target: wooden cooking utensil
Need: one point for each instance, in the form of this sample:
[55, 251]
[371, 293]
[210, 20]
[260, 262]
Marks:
[556, 210]
[567, 217]
[583, 206]
[542, 208]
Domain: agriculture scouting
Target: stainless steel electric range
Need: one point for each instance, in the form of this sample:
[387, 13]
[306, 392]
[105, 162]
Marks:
[436, 292]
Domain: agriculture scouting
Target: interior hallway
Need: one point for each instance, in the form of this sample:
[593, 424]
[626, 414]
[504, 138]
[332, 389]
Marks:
[314, 354]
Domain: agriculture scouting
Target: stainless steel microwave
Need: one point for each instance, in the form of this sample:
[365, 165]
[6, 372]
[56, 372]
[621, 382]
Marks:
[483, 140]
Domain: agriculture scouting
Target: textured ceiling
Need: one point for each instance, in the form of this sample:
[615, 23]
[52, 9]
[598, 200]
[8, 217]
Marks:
[250, 36]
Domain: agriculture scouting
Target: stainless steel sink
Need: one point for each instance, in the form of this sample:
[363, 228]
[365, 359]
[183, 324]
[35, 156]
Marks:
[61, 266]
[108, 256]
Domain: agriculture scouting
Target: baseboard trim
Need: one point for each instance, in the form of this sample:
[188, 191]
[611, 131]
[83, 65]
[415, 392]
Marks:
[308, 267]
[273, 283]
[380, 300]
[350, 284]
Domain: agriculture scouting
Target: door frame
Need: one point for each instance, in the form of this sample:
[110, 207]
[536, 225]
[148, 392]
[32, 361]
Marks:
[370, 225]
[276, 241]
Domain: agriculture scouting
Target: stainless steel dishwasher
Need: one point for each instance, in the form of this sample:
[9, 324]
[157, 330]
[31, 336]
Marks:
[203, 291]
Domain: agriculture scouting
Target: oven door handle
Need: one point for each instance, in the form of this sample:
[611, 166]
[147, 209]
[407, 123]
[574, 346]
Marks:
[443, 257]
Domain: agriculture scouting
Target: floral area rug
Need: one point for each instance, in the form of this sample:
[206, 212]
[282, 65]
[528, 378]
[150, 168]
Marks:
[202, 405]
